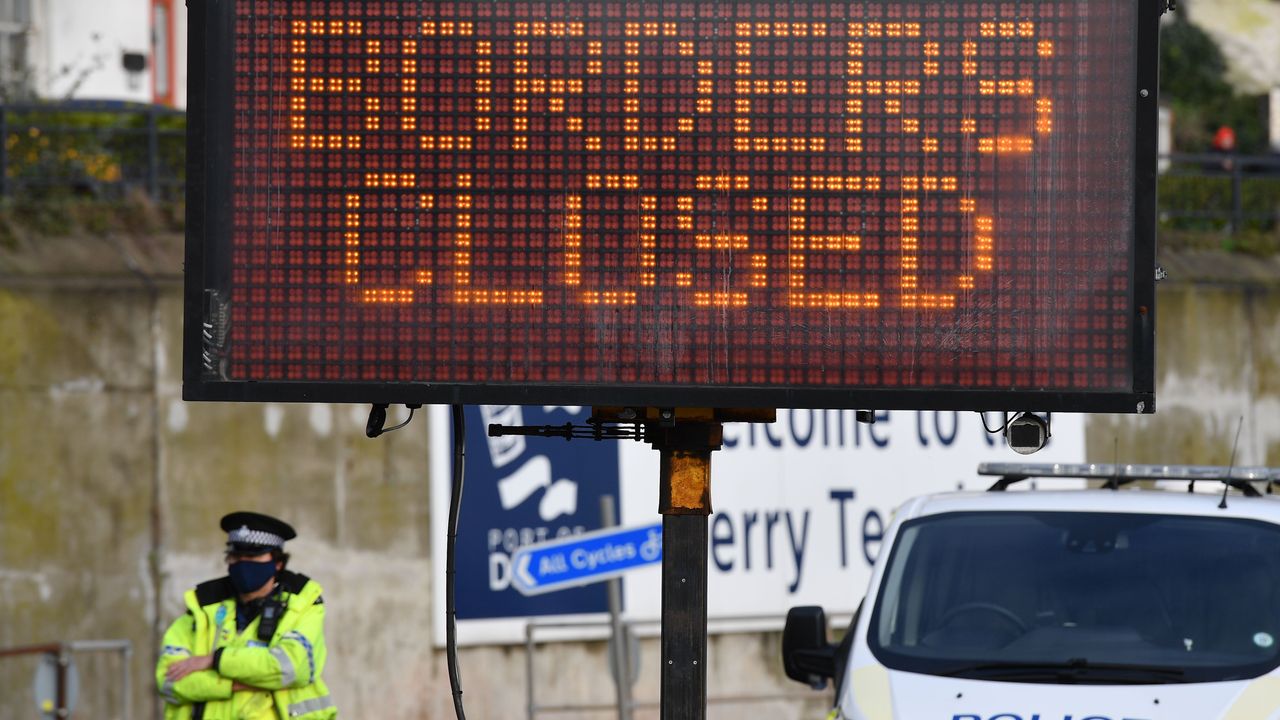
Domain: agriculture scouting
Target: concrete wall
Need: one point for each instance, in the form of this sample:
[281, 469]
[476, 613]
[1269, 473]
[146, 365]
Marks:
[1217, 369]
[111, 486]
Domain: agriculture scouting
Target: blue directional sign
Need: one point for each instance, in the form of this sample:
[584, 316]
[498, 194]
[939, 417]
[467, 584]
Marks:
[584, 559]
[522, 491]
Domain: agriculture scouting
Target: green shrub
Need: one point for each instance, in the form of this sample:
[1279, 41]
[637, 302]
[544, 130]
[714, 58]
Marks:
[1211, 196]
[60, 152]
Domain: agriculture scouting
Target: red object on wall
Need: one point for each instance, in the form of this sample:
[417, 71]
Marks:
[1225, 139]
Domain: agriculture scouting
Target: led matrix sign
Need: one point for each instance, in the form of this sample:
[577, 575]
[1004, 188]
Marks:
[829, 204]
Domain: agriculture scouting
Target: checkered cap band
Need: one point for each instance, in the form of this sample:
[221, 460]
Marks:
[244, 536]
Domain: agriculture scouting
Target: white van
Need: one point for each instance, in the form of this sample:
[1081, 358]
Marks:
[1090, 604]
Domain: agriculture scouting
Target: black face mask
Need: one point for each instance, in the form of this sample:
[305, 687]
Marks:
[249, 576]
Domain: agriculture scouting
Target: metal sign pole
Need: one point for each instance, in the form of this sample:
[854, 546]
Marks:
[685, 439]
[685, 503]
[620, 650]
[684, 617]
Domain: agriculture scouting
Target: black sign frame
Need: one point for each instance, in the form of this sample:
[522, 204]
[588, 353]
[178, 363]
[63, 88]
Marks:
[208, 237]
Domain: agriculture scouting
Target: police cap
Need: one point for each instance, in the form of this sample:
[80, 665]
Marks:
[251, 532]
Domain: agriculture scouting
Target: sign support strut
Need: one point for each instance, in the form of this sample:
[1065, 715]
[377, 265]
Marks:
[685, 503]
[685, 439]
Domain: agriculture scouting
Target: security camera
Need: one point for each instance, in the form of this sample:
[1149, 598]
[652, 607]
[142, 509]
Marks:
[377, 418]
[1026, 433]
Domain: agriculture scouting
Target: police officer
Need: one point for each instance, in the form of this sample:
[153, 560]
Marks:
[251, 645]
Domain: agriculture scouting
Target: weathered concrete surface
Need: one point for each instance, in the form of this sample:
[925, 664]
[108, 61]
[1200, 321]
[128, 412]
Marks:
[76, 471]
[1217, 369]
[111, 486]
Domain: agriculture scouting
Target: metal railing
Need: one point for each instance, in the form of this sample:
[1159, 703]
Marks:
[96, 149]
[536, 708]
[1219, 191]
[61, 699]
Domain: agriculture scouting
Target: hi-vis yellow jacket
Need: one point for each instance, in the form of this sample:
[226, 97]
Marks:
[286, 669]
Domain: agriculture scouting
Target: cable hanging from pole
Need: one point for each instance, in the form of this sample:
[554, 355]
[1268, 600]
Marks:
[451, 612]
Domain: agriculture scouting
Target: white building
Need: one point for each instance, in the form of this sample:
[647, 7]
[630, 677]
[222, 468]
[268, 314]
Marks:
[132, 50]
[1248, 31]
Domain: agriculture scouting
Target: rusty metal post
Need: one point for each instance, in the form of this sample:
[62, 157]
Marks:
[1237, 198]
[4, 150]
[63, 660]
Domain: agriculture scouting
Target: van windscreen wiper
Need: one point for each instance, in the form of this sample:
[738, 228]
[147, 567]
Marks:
[1075, 670]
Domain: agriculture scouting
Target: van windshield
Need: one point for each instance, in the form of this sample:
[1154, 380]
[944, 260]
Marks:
[1081, 598]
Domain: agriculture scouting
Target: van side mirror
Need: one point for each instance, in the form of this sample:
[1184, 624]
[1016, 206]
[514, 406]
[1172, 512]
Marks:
[807, 657]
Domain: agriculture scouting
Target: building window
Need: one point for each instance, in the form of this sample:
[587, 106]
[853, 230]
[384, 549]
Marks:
[15, 21]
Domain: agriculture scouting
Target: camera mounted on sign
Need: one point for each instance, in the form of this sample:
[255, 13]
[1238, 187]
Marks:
[378, 419]
[1026, 433]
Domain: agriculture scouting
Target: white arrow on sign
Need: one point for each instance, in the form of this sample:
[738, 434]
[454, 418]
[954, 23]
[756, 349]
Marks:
[523, 578]
[585, 559]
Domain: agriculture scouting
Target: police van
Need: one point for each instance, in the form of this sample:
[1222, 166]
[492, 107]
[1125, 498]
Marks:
[1128, 600]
